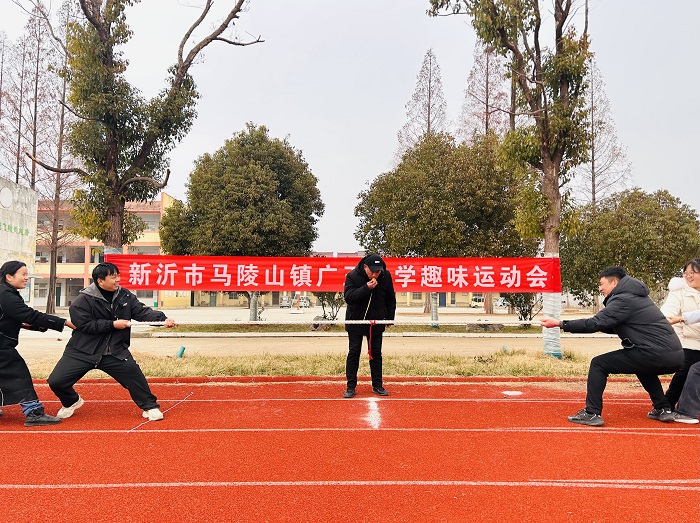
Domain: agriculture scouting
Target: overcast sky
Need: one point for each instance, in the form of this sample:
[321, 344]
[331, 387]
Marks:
[334, 77]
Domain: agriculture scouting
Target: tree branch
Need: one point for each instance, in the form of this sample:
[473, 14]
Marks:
[56, 169]
[242, 44]
[184, 65]
[146, 179]
[72, 111]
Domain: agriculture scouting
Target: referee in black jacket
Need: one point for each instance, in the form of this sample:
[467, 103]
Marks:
[369, 295]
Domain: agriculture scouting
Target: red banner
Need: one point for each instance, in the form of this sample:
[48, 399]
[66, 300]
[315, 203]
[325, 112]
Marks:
[247, 273]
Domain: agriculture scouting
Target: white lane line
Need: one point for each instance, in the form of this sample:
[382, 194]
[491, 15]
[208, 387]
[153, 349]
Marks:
[608, 401]
[373, 417]
[680, 432]
[671, 485]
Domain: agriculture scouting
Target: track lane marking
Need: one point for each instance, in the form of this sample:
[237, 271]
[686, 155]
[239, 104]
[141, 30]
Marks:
[599, 431]
[373, 417]
[670, 485]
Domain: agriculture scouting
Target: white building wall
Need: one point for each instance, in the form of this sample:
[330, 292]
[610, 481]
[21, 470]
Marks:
[18, 212]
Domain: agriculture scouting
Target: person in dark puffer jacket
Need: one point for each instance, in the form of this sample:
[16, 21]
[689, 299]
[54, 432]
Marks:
[369, 295]
[649, 344]
[102, 315]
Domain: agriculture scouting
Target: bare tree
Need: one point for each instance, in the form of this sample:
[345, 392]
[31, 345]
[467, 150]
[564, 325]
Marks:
[40, 100]
[426, 111]
[608, 169]
[426, 114]
[55, 228]
[485, 106]
[15, 95]
[3, 53]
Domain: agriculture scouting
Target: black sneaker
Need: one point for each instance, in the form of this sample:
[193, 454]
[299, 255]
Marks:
[380, 391]
[583, 417]
[38, 420]
[664, 415]
[349, 393]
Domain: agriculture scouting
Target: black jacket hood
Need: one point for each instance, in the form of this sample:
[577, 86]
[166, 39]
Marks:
[628, 285]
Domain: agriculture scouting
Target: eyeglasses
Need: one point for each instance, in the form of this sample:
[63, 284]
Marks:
[689, 273]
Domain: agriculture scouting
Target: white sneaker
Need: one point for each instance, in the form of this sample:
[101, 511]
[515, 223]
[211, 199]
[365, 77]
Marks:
[682, 418]
[67, 412]
[153, 414]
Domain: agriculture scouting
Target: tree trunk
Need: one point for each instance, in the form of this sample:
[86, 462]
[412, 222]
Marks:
[51, 295]
[488, 303]
[551, 302]
[115, 216]
[253, 316]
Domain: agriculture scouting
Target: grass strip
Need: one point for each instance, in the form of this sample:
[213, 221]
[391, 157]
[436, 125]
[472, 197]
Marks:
[514, 363]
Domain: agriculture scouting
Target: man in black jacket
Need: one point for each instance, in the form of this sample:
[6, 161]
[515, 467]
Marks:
[650, 345]
[102, 315]
[369, 295]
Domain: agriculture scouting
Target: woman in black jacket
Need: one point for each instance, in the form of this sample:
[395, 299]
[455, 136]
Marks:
[15, 380]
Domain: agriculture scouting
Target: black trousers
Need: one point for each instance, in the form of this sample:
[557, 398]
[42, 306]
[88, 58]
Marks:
[126, 371]
[675, 388]
[689, 402]
[352, 364]
[646, 365]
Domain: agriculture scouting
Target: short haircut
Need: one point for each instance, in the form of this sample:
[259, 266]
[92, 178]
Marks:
[102, 270]
[614, 272]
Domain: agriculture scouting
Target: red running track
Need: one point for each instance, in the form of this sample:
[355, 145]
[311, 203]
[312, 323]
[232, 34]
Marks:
[297, 451]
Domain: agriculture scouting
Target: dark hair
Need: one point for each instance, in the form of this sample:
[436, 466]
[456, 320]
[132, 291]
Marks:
[614, 272]
[102, 270]
[10, 267]
[693, 264]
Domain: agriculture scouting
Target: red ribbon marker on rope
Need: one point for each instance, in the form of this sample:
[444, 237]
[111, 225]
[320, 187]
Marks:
[369, 347]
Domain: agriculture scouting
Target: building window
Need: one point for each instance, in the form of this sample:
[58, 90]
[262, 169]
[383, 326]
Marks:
[416, 295]
[41, 290]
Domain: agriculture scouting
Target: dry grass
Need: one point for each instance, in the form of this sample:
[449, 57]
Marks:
[288, 327]
[505, 363]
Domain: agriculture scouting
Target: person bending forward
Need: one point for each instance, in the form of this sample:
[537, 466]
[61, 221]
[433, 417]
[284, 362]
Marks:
[102, 315]
[650, 345]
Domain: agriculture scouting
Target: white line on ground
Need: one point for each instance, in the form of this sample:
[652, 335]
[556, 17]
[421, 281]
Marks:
[674, 485]
[676, 431]
[373, 417]
[626, 401]
[171, 408]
